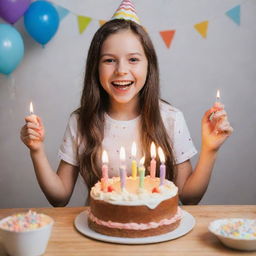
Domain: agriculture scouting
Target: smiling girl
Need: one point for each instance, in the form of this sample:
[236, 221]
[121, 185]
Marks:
[120, 104]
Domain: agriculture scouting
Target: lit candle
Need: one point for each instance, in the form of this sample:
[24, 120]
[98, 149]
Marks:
[153, 160]
[162, 166]
[142, 172]
[134, 163]
[31, 110]
[122, 168]
[217, 101]
[104, 180]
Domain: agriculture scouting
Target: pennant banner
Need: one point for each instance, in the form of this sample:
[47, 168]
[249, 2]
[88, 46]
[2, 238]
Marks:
[167, 35]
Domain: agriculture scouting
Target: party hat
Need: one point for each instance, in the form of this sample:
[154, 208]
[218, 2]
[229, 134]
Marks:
[126, 11]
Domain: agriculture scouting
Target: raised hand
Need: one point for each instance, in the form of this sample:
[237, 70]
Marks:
[32, 133]
[217, 129]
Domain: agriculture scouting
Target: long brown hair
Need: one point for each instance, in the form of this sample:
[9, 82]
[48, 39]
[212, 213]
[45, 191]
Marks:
[94, 103]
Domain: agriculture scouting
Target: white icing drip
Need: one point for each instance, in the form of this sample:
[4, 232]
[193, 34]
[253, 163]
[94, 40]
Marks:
[142, 197]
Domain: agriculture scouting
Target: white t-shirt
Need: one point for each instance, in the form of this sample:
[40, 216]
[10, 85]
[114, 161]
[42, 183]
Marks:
[123, 133]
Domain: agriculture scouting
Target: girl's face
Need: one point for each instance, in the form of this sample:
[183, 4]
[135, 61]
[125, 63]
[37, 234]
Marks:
[123, 67]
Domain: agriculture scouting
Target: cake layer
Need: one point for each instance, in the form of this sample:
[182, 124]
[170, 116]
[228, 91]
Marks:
[131, 233]
[138, 214]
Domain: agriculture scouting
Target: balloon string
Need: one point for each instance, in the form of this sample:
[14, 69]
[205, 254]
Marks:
[12, 87]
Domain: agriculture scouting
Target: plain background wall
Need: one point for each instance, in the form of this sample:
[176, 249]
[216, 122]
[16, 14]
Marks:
[191, 72]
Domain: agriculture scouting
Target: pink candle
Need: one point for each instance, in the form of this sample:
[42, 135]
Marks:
[162, 166]
[153, 161]
[104, 169]
[122, 169]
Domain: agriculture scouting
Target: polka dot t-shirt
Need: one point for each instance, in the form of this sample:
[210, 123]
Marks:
[123, 133]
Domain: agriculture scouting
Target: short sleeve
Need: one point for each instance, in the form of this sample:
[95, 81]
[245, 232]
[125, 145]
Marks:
[69, 147]
[183, 146]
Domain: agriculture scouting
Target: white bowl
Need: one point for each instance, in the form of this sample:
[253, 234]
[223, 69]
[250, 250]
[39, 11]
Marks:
[236, 242]
[26, 243]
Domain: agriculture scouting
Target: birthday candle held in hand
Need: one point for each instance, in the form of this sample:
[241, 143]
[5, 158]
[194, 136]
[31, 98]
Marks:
[122, 168]
[134, 163]
[104, 180]
[31, 110]
[162, 166]
[142, 172]
[217, 101]
[153, 160]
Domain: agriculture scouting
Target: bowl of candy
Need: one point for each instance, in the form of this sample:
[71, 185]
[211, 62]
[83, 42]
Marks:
[26, 234]
[236, 233]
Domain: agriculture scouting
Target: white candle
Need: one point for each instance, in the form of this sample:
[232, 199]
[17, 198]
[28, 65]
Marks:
[31, 110]
[122, 168]
[162, 166]
[142, 172]
[216, 101]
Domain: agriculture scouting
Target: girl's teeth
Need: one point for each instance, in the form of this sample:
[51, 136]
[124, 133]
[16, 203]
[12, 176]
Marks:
[122, 83]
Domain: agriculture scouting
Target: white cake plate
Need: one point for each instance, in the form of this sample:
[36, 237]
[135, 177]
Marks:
[187, 223]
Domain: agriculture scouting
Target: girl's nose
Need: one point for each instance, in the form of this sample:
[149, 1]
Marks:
[121, 68]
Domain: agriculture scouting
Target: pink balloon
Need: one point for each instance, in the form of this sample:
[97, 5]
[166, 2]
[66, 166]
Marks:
[12, 10]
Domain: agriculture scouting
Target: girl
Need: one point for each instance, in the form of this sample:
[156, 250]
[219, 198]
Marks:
[120, 104]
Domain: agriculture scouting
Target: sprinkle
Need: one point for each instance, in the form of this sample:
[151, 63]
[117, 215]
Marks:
[238, 228]
[25, 221]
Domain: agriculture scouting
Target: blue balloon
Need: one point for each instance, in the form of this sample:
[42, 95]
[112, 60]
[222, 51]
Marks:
[11, 48]
[41, 21]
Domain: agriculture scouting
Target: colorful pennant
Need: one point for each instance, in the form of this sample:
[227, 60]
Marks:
[83, 22]
[167, 36]
[234, 14]
[102, 22]
[202, 28]
[63, 12]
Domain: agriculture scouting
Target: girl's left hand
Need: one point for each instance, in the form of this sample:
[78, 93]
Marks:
[217, 129]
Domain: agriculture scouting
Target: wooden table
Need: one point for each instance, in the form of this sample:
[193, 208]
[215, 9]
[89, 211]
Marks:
[65, 240]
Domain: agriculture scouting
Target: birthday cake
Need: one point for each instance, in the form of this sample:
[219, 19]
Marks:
[134, 211]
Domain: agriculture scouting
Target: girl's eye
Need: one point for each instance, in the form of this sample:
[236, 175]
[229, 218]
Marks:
[134, 59]
[109, 60]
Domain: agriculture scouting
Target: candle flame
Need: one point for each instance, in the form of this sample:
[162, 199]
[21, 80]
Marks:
[153, 150]
[134, 149]
[161, 155]
[122, 154]
[31, 109]
[104, 157]
[218, 95]
[142, 160]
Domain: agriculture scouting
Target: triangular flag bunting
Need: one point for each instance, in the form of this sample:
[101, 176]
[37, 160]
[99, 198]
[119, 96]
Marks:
[83, 22]
[202, 28]
[63, 12]
[102, 22]
[167, 36]
[234, 14]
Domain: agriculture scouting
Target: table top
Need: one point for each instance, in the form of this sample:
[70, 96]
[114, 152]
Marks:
[66, 240]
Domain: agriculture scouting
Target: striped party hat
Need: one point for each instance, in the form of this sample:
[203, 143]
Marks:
[126, 11]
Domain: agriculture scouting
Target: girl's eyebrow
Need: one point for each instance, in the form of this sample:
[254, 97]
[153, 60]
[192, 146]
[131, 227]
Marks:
[113, 55]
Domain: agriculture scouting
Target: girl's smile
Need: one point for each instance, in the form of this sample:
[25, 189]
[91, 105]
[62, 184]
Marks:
[123, 68]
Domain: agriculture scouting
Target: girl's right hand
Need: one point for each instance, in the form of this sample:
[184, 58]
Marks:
[32, 133]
